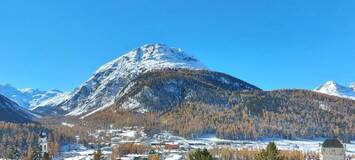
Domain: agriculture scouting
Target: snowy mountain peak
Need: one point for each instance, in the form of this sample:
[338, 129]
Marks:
[331, 83]
[352, 85]
[27, 97]
[330, 86]
[153, 56]
[102, 88]
[335, 89]
[163, 52]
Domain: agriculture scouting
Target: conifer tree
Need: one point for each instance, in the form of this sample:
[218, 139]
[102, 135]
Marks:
[10, 153]
[46, 156]
[200, 155]
[13, 153]
[36, 153]
[98, 154]
[271, 153]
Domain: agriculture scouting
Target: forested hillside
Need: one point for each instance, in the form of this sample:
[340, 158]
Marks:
[249, 115]
[164, 89]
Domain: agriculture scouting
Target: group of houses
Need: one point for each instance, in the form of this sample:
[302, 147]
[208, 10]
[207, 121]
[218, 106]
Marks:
[330, 149]
[167, 145]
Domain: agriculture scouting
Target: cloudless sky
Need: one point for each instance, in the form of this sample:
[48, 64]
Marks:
[270, 43]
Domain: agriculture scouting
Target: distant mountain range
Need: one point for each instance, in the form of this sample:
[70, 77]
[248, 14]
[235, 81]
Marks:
[151, 75]
[112, 81]
[335, 89]
[182, 92]
[29, 98]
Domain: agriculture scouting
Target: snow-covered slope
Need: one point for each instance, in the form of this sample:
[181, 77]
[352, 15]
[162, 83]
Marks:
[102, 88]
[11, 112]
[29, 98]
[352, 86]
[335, 89]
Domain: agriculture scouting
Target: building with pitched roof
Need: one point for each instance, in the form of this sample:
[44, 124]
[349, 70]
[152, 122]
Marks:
[332, 149]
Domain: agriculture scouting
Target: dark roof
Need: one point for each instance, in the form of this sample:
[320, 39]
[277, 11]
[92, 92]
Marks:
[332, 143]
[43, 134]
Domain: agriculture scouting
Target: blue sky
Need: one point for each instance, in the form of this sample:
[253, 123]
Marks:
[272, 44]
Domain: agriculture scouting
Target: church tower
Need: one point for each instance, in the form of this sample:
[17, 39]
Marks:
[43, 143]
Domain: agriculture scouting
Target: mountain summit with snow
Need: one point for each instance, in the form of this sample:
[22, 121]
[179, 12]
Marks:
[29, 98]
[335, 89]
[352, 86]
[152, 57]
[102, 88]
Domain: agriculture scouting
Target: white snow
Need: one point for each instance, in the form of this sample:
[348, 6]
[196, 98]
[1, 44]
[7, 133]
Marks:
[129, 133]
[108, 81]
[352, 86]
[27, 97]
[68, 124]
[131, 103]
[173, 157]
[224, 80]
[335, 89]
[136, 135]
[303, 145]
[56, 100]
[324, 107]
[77, 151]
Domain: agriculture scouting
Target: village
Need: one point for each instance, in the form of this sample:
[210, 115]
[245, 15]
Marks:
[131, 143]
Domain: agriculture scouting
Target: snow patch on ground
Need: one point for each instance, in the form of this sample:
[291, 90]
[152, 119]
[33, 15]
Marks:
[173, 157]
[68, 124]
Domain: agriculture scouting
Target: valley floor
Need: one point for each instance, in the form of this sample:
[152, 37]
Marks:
[169, 146]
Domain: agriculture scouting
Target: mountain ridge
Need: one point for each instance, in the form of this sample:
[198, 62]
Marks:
[166, 88]
[29, 98]
[335, 89]
[102, 88]
[11, 112]
[287, 113]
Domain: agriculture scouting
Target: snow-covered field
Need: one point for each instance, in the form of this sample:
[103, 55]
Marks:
[304, 145]
[136, 135]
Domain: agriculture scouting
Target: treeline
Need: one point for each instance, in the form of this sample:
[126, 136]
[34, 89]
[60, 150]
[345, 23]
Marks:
[250, 115]
[284, 114]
